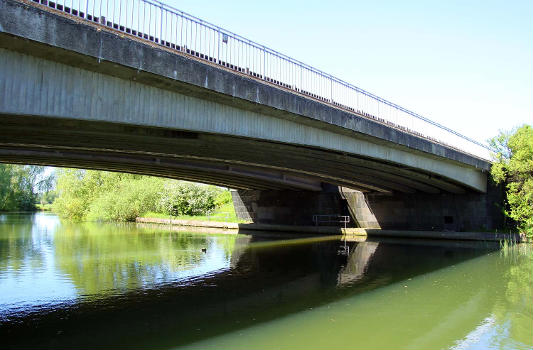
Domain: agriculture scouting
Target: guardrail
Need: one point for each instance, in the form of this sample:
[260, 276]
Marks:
[164, 25]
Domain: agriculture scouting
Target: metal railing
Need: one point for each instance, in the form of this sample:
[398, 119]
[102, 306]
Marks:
[331, 219]
[176, 30]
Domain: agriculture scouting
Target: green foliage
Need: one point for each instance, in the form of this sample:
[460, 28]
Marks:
[102, 195]
[223, 213]
[184, 198]
[222, 198]
[127, 201]
[99, 195]
[44, 207]
[513, 165]
[47, 197]
[19, 184]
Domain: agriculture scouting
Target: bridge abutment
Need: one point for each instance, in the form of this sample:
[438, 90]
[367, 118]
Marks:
[287, 207]
[443, 212]
[419, 211]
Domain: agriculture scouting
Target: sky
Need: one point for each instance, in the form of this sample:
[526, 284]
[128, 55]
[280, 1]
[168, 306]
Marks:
[465, 64]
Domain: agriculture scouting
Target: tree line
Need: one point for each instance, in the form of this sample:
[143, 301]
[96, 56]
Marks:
[91, 195]
[109, 196]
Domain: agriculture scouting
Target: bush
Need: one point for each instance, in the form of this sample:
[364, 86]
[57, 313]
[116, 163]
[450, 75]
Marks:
[130, 200]
[513, 165]
[100, 195]
[184, 198]
[223, 197]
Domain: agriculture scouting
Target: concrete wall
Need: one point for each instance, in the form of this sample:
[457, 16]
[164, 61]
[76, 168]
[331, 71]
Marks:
[447, 211]
[57, 69]
[359, 208]
[421, 212]
[288, 207]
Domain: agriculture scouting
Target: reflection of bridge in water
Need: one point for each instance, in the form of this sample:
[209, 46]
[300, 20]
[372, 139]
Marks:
[266, 280]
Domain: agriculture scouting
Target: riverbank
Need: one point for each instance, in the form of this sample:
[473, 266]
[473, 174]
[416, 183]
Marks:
[237, 227]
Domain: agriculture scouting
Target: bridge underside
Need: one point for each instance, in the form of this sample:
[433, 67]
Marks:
[132, 107]
[74, 95]
[234, 162]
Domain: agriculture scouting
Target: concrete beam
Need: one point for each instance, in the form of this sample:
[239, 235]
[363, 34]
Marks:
[160, 89]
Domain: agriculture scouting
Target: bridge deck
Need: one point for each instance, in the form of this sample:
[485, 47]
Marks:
[327, 143]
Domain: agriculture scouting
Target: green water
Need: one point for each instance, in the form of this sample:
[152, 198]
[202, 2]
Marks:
[84, 285]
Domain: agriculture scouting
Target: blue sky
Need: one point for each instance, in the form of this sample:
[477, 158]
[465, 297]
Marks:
[465, 64]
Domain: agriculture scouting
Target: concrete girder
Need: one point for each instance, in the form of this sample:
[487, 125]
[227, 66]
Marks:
[93, 79]
[351, 172]
[62, 137]
[229, 176]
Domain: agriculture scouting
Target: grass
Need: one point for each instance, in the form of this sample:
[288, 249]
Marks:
[513, 249]
[224, 213]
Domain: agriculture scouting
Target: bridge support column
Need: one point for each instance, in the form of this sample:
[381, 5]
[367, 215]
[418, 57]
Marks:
[288, 207]
[442, 212]
[359, 209]
[424, 212]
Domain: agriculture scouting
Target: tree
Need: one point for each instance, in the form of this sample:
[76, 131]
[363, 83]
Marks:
[19, 185]
[77, 190]
[106, 196]
[513, 166]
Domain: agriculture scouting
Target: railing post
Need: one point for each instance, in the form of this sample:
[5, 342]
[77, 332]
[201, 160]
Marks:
[287, 75]
[331, 89]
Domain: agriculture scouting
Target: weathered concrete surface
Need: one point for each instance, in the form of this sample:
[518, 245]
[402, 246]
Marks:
[105, 46]
[359, 209]
[446, 212]
[97, 76]
[235, 228]
[288, 207]
[409, 212]
[448, 235]
[351, 234]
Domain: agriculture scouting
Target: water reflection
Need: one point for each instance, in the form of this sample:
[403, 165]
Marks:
[142, 286]
[67, 261]
[102, 259]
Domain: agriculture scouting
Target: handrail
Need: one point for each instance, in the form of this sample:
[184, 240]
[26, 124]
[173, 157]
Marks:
[165, 25]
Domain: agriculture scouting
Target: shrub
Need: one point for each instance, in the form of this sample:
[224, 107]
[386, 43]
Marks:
[130, 200]
[184, 198]
[222, 197]
[106, 196]
[513, 165]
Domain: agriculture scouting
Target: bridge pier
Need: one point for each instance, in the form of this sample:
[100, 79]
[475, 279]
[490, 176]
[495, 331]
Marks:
[288, 207]
[425, 212]
[470, 211]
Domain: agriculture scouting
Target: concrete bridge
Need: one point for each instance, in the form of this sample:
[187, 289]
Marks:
[80, 90]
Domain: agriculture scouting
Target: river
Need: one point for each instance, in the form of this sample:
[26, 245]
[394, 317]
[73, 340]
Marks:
[66, 285]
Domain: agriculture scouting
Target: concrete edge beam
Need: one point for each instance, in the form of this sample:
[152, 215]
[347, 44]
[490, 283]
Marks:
[166, 69]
